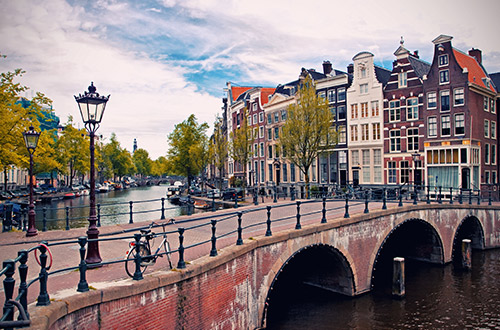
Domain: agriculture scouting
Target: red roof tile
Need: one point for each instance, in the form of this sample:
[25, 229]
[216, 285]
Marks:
[264, 94]
[237, 91]
[475, 71]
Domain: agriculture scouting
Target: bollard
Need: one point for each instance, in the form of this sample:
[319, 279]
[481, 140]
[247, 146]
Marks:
[138, 258]
[346, 214]
[366, 202]
[44, 219]
[255, 197]
[428, 194]
[398, 278]
[489, 197]
[131, 206]
[43, 297]
[323, 219]
[162, 208]
[23, 286]
[478, 197]
[83, 286]
[400, 198]
[67, 217]
[384, 199]
[275, 194]
[181, 264]
[213, 251]
[470, 196]
[8, 284]
[98, 215]
[451, 195]
[460, 197]
[415, 195]
[298, 226]
[239, 241]
[268, 222]
[466, 254]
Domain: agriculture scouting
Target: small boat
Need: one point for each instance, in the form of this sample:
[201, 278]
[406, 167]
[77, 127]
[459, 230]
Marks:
[201, 205]
[104, 188]
[69, 195]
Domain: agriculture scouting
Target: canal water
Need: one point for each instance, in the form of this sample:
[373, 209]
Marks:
[114, 208]
[437, 297]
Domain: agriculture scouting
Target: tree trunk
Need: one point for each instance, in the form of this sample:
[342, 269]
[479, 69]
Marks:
[5, 178]
[306, 176]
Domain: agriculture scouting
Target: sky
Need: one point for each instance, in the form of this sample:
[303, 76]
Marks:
[162, 60]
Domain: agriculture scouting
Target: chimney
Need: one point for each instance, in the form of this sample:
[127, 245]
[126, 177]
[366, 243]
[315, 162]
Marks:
[415, 54]
[327, 67]
[476, 53]
[350, 68]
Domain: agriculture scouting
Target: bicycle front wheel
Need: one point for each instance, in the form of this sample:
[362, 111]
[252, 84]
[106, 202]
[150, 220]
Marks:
[130, 263]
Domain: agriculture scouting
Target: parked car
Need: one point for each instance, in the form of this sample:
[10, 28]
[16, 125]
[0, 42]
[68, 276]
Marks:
[214, 193]
[232, 194]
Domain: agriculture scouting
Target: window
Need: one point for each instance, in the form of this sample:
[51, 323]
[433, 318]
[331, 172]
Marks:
[255, 150]
[261, 132]
[283, 115]
[364, 110]
[394, 114]
[269, 134]
[249, 120]
[485, 103]
[412, 139]
[261, 117]
[486, 128]
[458, 97]
[487, 177]
[493, 133]
[444, 76]
[341, 112]
[270, 169]
[431, 126]
[333, 111]
[262, 171]
[276, 133]
[395, 140]
[255, 133]
[443, 60]
[377, 165]
[269, 118]
[445, 126]
[354, 132]
[342, 134]
[392, 175]
[376, 131]
[405, 171]
[276, 117]
[355, 157]
[412, 109]
[341, 96]
[459, 124]
[292, 172]
[255, 118]
[493, 154]
[492, 106]
[270, 152]
[445, 100]
[261, 149]
[494, 177]
[431, 100]
[402, 79]
[363, 89]
[354, 111]
[365, 132]
[487, 153]
[331, 96]
[322, 95]
[362, 72]
[285, 173]
[374, 105]
[366, 166]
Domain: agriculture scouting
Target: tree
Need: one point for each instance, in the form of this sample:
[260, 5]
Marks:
[188, 148]
[160, 166]
[142, 162]
[115, 161]
[241, 143]
[307, 129]
[218, 149]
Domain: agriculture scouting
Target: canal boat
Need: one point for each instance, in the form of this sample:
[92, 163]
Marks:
[201, 205]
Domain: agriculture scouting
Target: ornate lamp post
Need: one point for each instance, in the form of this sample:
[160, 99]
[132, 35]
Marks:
[31, 141]
[92, 108]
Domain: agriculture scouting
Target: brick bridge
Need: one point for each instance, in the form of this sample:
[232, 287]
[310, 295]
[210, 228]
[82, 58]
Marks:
[235, 289]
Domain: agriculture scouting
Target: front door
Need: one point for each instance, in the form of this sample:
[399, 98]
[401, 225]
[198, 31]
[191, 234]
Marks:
[355, 177]
[465, 178]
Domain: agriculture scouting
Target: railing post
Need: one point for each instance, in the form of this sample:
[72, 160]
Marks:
[415, 194]
[213, 251]
[239, 241]
[451, 195]
[275, 194]
[479, 197]
[83, 286]
[138, 258]
[236, 200]
[400, 197]
[366, 202]
[8, 285]
[162, 208]
[323, 219]
[23, 286]
[384, 199]
[43, 297]
[131, 212]
[297, 225]
[470, 196]
[44, 219]
[98, 215]
[460, 197]
[489, 197]
[440, 200]
[181, 264]
[268, 222]
[292, 193]
[346, 214]
[255, 196]
[213, 202]
[428, 194]
[67, 217]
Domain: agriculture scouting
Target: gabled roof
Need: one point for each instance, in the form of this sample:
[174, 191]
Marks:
[236, 91]
[420, 67]
[475, 71]
[383, 75]
[442, 38]
[264, 94]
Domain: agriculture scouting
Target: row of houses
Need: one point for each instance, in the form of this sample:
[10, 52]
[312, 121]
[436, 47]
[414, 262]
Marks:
[424, 123]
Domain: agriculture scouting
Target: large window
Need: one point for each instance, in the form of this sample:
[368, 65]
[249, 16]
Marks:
[392, 172]
[412, 109]
[402, 79]
[445, 100]
[444, 76]
[431, 126]
[431, 100]
[364, 110]
[366, 166]
[354, 133]
[445, 126]
[485, 103]
[376, 131]
[395, 140]
[354, 111]
[458, 97]
[363, 89]
[394, 113]
[443, 60]
[375, 111]
[459, 124]
[493, 154]
[377, 165]
[269, 134]
[493, 133]
[405, 172]
[270, 152]
[342, 134]
[365, 133]
[262, 149]
[276, 133]
[486, 128]
[331, 96]
[412, 139]
[292, 172]
[341, 95]
[486, 153]
[341, 112]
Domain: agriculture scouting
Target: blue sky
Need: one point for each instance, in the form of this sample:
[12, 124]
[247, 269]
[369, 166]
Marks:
[162, 60]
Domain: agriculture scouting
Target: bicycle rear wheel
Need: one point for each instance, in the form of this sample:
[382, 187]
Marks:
[130, 263]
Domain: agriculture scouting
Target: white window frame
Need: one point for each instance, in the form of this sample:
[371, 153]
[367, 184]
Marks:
[455, 104]
[444, 77]
[394, 147]
[444, 93]
[486, 128]
[456, 126]
[402, 79]
[493, 129]
[434, 96]
[429, 126]
[443, 60]
[411, 107]
[443, 125]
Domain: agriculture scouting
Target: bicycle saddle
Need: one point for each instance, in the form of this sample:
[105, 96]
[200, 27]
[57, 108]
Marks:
[145, 231]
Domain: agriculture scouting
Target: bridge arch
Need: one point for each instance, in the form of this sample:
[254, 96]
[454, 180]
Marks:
[469, 228]
[413, 238]
[318, 265]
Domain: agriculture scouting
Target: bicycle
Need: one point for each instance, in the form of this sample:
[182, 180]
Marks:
[147, 259]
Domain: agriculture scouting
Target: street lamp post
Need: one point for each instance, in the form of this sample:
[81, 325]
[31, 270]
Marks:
[31, 141]
[92, 108]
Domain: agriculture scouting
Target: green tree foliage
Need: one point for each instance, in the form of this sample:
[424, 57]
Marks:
[160, 167]
[240, 147]
[142, 162]
[218, 149]
[306, 128]
[116, 162]
[188, 148]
